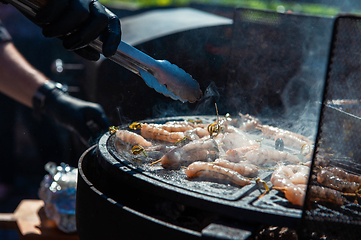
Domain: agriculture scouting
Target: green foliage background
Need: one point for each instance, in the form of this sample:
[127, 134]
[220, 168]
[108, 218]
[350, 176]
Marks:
[306, 8]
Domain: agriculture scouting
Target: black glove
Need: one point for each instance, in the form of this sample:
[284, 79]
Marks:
[86, 119]
[77, 23]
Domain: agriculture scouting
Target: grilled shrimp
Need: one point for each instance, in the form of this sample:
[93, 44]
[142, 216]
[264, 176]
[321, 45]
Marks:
[154, 131]
[295, 194]
[235, 140]
[286, 175]
[291, 140]
[263, 155]
[176, 126]
[243, 168]
[344, 175]
[317, 193]
[249, 122]
[301, 174]
[210, 170]
[236, 154]
[132, 138]
[332, 180]
[292, 180]
[183, 123]
[193, 151]
[281, 176]
[271, 132]
[196, 133]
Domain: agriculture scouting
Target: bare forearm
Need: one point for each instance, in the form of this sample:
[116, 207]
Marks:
[18, 79]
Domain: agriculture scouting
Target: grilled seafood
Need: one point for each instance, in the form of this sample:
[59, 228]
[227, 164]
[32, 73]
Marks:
[196, 133]
[272, 132]
[343, 174]
[193, 151]
[287, 175]
[176, 126]
[199, 144]
[322, 194]
[210, 170]
[132, 138]
[330, 177]
[183, 123]
[155, 131]
[236, 154]
[243, 168]
[235, 140]
[263, 155]
[249, 122]
[292, 180]
[295, 194]
[289, 138]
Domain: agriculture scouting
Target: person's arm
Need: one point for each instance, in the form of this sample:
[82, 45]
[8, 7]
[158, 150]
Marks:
[22, 82]
[19, 80]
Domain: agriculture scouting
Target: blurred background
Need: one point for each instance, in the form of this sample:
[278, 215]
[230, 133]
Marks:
[27, 144]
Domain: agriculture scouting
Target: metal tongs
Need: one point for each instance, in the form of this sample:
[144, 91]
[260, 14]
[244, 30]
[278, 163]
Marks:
[164, 77]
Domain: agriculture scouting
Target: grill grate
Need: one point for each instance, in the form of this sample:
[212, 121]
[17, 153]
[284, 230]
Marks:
[339, 133]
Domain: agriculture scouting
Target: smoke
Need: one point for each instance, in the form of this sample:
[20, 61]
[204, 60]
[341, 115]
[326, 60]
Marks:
[205, 106]
[122, 119]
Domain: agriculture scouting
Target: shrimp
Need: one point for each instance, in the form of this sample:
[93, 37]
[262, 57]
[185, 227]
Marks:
[236, 140]
[263, 155]
[210, 170]
[249, 122]
[281, 176]
[287, 175]
[301, 174]
[154, 131]
[196, 133]
[292, 180]
[243, 168]
[322, 194]
[183, 123]
[193, 151]
[271, 132]
[331, 179]
[132, 138]
[236, 154]
[291, 140]
[175, 126]
[295, 194]
[343, 174]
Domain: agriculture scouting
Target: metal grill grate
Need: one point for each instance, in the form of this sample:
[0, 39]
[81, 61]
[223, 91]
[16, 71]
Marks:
[339, 134]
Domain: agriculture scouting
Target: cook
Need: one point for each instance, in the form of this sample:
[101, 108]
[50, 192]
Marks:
[76, 23]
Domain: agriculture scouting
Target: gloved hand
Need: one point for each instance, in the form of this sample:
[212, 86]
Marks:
[87, 119]
[77, 23]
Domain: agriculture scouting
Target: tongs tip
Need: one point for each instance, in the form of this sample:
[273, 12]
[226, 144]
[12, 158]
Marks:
[178, 81]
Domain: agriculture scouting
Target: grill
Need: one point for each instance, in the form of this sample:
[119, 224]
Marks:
[339, 131]
[280, 78]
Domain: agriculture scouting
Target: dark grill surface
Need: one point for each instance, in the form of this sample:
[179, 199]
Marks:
[224, 199]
